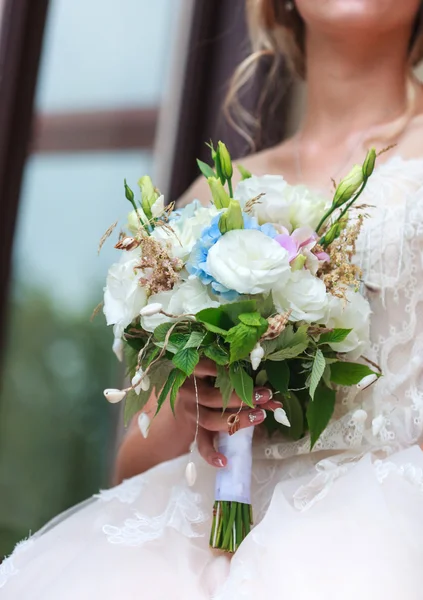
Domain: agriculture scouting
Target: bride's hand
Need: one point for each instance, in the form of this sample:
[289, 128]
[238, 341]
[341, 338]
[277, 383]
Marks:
[211, 417]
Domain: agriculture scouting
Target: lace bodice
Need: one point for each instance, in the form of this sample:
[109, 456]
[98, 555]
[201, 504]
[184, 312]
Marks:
[389, 415]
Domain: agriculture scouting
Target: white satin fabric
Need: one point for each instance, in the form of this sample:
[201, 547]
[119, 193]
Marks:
[345, 521]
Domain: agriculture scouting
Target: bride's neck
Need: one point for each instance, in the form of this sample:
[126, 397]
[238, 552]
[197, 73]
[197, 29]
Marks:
[352, 87]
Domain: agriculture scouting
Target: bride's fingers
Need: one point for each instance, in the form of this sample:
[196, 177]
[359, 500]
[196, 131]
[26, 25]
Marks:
[214, 420]
[207, 450]
[212, 398]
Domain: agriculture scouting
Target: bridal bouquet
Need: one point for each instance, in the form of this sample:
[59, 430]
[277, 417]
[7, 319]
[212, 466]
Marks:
[261, 282]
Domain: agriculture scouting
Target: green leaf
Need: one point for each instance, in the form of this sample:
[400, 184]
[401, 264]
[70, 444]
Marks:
[131, 360]
[347, 373]
[158, 373]
[294, 412]
[234, 309]
[186, 360]
[150, 356]
[334, 337]
[161, 331]
[290, 352]
[319, 365]
[206, 169]
[243, 383]
[179, 340]
[262, 378]
[134, 404]
[214, 319]
[326, 377]
[166, 389]
[242, 339]
[224, 383]
[169, 346]
[195, 339]
[179, 380]
[265, 306]
[253, 318]
[320, 411]
[278, 375]
[217, 354]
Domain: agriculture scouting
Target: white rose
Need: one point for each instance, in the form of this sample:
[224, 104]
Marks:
[247, 261]
[306, 209]
[191, 296]
[305, 295]
[273, 207]
[185, 228]
[352, 313]
[123, 296]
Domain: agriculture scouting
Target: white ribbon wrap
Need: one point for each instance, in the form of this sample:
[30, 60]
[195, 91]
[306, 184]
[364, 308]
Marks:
[233, 482]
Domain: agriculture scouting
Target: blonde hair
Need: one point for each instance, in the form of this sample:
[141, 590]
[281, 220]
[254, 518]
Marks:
[278, 36]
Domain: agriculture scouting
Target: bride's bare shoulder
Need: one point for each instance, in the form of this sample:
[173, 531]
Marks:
[270, 161]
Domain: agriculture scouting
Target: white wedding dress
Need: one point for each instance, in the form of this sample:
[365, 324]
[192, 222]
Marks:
[343, 522]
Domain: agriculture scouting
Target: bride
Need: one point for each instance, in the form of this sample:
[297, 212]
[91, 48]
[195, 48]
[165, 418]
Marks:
[346, 520]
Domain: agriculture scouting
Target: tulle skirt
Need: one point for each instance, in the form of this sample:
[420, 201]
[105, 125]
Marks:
[331, 530]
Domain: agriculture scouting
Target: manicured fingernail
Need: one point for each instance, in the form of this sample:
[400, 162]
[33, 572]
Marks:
[262, 395]
[218, 462]
[257, 416]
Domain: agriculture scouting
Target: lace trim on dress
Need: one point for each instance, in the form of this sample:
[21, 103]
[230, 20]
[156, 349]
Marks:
[408, 471]
[181, 513]
[8, 568]
[126, 492]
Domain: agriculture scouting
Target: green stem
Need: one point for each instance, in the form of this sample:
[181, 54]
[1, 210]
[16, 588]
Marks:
[333, 208]
[231, 190]
[229, 527]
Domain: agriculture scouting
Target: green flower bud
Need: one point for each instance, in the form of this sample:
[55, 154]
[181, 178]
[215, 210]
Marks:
[149, 194]
[225, 160]
[331, 235]
[298, 263]
[129, 194]
[348, 186]
[245, 174]
[220, 197]
[369, 163]
[232, 218]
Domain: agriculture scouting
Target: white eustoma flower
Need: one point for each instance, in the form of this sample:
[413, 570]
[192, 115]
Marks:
[303, 294]
[123, 296]
[158, 207]
[291, 206]
[190, 297]
[185, 228]
[306, 208]
[134, 219]
[248, 261]
[273, 207]
[118, 348]
[352, 313]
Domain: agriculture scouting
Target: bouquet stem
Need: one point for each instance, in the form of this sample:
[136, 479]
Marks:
[232, 511]
[231, 524]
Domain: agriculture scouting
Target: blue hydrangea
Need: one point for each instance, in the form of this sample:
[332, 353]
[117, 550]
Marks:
[197, 263]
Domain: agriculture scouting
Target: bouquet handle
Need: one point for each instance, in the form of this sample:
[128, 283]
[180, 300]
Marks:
[232, 512]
